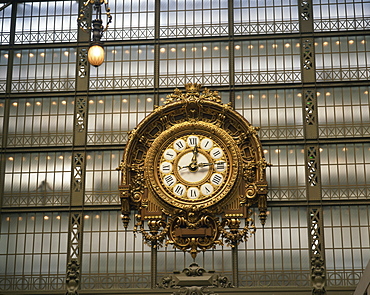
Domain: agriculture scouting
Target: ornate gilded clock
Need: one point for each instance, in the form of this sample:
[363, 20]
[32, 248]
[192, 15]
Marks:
[192, 169]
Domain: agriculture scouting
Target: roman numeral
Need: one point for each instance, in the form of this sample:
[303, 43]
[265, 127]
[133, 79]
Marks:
[179, 190]
[179, 145]
[166, 167]
[193, 141]
[220, 165]
[216, 153]
[216, 179]
[169, 179]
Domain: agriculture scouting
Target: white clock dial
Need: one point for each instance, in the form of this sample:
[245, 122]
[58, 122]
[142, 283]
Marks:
[206, 144]
[169, 154]
[169, 180]
[193, 167]
[179, 145]
[216, 153]
[220, 166]
[206, 189]
[179, 190]
[216, 178]
[193, 193]
[192, 176]
[193, 140]
[166, 167]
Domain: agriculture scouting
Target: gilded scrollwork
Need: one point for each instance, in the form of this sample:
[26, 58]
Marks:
[137, 185]
[188, 223]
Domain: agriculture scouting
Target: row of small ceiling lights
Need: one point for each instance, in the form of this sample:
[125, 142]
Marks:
[47, 217]
[61, 157]
[89, 157]
[149, 99]
[204, 48]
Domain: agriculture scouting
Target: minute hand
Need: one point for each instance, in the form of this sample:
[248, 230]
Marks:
[207, 164]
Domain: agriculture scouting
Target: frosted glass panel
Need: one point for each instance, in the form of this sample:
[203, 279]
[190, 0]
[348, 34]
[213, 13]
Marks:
[45, 22]
[34, 245]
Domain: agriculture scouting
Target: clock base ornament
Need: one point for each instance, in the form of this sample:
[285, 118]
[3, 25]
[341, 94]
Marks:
[192, 170]
[194, 280]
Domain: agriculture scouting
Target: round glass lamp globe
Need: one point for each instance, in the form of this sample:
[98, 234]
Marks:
[95, 55]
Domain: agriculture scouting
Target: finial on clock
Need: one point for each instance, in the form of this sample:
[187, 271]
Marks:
[193, 88]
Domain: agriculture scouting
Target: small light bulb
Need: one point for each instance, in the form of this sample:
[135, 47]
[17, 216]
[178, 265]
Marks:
[95, 55]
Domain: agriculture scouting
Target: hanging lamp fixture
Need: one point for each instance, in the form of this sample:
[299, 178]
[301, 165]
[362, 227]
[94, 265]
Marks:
[94, 27]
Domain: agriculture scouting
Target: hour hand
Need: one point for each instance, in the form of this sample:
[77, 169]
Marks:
[180, 167]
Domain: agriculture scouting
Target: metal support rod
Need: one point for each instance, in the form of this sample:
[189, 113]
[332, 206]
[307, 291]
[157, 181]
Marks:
[154, 267]
[235, 266]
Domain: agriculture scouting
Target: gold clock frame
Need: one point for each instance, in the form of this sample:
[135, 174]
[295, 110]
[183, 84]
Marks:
[193, 225]
[154, 183]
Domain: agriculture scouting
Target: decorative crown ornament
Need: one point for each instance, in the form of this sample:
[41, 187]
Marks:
[193, 88]
[191, 170]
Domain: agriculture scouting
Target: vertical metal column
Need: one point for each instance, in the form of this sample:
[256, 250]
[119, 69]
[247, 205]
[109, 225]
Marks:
[235, 265]
[73, 281]
[316, 238]
[231, 52]
[154, 258]
[74, 253]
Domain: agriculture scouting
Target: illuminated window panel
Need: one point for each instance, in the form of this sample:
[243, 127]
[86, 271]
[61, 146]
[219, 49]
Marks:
[46, 22]
[342, 58]
[112, 117]
[40, 70]
[125, 67]
[265, 17]
[277, 112]
[287, 176]
[102, 178]
[37, 179]
[347, 245]
[345, 171]
[41, 122]
[113, 258]
[5, 20]
[189, 18]
[131, 20]
[267, 61]
[204, 63]
[4, 56]
[278, 253]
[343, 112]
[339, 15]
[33, 251]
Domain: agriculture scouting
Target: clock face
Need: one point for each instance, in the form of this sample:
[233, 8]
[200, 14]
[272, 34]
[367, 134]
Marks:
[192, 164]
[193, 167]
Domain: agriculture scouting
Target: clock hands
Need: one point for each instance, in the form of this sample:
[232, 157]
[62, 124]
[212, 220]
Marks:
[200, 165]
[194, 158]
[209, 164]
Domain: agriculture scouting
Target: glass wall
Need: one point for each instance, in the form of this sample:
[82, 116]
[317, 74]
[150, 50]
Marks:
[33, 251]
[299, 70]
[46, 22]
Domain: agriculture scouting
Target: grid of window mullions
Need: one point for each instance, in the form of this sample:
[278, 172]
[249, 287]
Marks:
[36, 245]
[340, 251]
[47, 21]
[346, 242]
